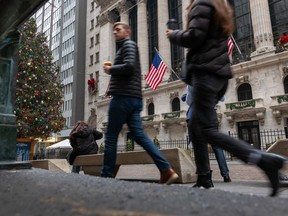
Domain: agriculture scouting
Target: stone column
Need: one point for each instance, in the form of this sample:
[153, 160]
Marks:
[262, 28]
[9, 67]
[123, 7]
[184, 13]
[184, 18]
[142, 31]
[164, 44]
[107, 48]
[124, 17]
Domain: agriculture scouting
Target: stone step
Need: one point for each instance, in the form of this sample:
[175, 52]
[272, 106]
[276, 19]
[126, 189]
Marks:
[52, 165]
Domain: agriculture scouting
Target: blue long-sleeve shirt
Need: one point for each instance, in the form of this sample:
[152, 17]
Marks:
[189, 102]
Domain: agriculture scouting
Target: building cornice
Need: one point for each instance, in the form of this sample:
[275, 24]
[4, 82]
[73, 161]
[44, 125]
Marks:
[164, 87]
[104, 4]
[260, 63]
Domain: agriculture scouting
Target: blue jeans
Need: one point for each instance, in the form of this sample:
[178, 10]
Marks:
[221, 160]
[127, 110]
[75, 169]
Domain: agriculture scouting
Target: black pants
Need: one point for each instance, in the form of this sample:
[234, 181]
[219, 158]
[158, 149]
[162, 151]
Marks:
[208, 89]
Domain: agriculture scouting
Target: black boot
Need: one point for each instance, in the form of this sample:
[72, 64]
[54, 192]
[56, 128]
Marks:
[227, 178]
[210, 177]
[204, 181]
[271, 164]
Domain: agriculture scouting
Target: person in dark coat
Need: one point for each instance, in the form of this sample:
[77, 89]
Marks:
[83, 141]
[209, 24]
[218, 152]
[126, 105]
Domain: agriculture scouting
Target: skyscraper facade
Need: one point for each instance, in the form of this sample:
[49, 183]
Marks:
[64, 24]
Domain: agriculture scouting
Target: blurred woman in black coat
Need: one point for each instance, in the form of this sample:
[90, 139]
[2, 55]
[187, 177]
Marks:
[209, 24]
[83, 141]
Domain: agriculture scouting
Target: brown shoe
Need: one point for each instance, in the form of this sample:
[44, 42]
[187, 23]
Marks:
[168, 177]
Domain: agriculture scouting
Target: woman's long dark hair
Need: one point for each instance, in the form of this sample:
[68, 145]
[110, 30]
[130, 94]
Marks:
[223, 15]
[79, 125]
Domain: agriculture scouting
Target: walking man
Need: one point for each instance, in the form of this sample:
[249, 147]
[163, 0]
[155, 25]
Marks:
[126, 105]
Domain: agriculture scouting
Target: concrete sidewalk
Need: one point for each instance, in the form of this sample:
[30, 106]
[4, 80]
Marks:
[246, 179]
[41, 192]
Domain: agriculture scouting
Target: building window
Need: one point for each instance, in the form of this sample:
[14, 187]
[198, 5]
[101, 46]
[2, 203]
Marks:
[97, 21]
[244, 92]
[286, 85]
[151, 110]
[175, 104]
[97, 39]
[97, 57]
[91, 42]
[133, 22]
[177, 52]
[91, 60]
[92, 6]
[96, 80]
[279, 17]
[92, 25]
[243, 33]
[152, 28]
[115, 14]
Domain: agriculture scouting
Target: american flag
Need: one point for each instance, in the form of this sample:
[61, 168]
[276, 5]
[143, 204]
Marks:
[230, 46]
[156, 72]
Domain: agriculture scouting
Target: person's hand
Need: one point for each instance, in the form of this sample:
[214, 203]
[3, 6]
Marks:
[168, 32]
[106, 69]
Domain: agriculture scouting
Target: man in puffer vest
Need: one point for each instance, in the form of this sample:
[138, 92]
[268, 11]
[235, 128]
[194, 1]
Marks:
[126, 105]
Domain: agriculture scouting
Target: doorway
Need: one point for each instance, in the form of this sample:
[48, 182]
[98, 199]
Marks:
[250, 133]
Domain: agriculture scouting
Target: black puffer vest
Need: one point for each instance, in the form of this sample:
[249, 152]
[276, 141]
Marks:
[126, 71]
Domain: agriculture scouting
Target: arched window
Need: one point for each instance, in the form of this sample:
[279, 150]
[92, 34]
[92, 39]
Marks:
[175, 104]
[152, 16]
[286, 85]
[244, 92]
[151, 110]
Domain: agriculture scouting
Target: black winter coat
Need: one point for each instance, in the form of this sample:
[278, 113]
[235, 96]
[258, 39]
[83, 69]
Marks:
[126, 71]
[208, 48]
[84, 141]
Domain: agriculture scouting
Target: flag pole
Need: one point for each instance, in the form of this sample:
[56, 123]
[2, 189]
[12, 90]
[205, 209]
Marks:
[233, 40]
[167, 64]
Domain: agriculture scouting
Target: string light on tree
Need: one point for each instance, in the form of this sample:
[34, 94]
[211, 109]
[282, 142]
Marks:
[38, 87]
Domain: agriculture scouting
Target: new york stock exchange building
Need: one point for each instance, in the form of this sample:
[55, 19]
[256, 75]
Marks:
[255, 108]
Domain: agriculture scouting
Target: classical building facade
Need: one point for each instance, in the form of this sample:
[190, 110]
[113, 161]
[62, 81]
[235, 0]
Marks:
[257, 98]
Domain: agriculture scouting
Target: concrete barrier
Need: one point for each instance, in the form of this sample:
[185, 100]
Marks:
[52, 164]
[279, 147]
[138, 165]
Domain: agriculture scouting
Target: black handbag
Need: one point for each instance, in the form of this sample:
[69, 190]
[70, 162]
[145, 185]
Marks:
[186, 69]
[185, 74]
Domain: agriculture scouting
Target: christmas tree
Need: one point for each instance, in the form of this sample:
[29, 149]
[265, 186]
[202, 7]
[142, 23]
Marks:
[38, 87]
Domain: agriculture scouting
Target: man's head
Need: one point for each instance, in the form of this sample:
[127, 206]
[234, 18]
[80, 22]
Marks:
[121, 31]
